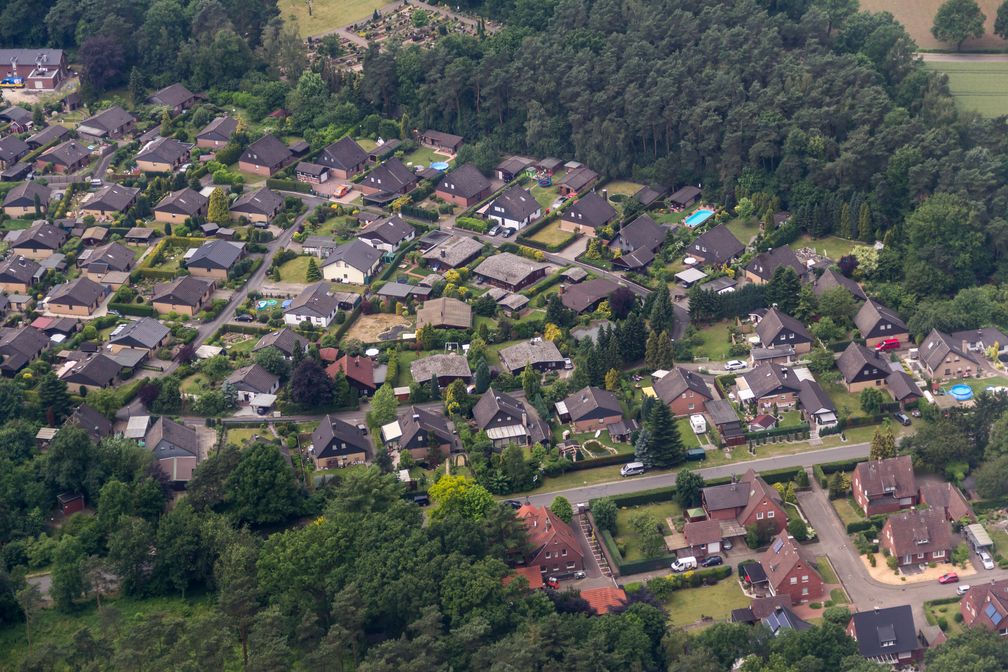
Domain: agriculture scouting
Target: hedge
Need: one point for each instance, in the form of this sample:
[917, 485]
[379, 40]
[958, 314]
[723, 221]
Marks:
[645, 497]
[345, 327]
[419, 213]
[842, 465]
[251, 329]
[874, 523]
[777, 431]
[990, 504]
[605, 461]
[288, 185]
[137, 309]
[471, 224]
[541, 286]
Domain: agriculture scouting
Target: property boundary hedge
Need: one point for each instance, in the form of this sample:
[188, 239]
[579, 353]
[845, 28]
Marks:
[541, 286]
[137, 309]
[288, 185]
[874, 523]
[419, 213]
[351, 318]
[606, 461]
[760, 437]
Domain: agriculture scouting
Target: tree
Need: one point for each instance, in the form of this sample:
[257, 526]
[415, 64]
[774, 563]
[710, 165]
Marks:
[642, 448]
[1001, 21]
[262, 489]
[836, 485]
[313, 274]
[960, 554]
[784, 289]
[836, 11]
[604, 512]
[974, 650]
[273, 361]
[29, 599]
[11, 400]
[662, 316]
[838, 304]
[871, 400]
[562, 509]
[309, 385]
[70, 459]
[796, 528]
[481, 378]
[217, 209]
[612, 380]
[237, 589]
[939, 444]
[957, 21]
[666, 445]
[103, 62]
[647, 527]
[458, 495]
[182, 560]
[530, 381]
[129, 548]
[689, 485]
[820, 360]
[990, 478]
[383, 406]
[883, 445]
[54, 398]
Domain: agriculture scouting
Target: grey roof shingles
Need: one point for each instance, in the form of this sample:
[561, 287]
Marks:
[112, 197]
[173, 95]
[775, 322]
[261, 202]
[591, 403]
[186, 291]
[145, 332]
[216, 254]
[443, 366]
[79, 292]
[590, 210]
[314, 301]
[717, 246]
[508, 268]
[344, 154]
[267, 151]
[356, 254]
[678, 381]
[393, 230]
[220, 129]
[516, 357]
[643, 232]
[182, 202]
[516, 203]
[163, 150]
[253, 378]
[466, 181]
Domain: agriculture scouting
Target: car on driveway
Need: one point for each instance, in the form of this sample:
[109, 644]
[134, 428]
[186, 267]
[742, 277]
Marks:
[513, 503]
[902, 418]
[734, 365]
[950, 577]
[494, 230]
[986, 560]
[553, 582]
[712, 561]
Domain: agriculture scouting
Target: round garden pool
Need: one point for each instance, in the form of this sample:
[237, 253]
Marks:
[961, 392]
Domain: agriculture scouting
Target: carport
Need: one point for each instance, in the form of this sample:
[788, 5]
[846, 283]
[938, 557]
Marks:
[978, 538]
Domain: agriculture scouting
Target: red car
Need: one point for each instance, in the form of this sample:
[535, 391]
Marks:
[553, 582]
[951, 577]
[888, 344]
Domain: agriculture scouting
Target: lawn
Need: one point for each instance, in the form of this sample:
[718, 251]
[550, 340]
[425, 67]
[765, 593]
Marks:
[947, 612]
[689, 439]
[55, 630]
[423, 156]
[790, 418]
[826, 570]
[624, 187]
[327, 14]
[551, 234]
[665, 217]
[830, 246]
[744, 230]
[848, 511]
[714, 342]
[296, 270]
[917, 16]
[243, 346]
[625, 534]
[240, 435]
[545, 195]
[844, 399]
[367, 144]
[196, 384]
[170, 258]
[838, 597]
[689, 606]
[978, 385]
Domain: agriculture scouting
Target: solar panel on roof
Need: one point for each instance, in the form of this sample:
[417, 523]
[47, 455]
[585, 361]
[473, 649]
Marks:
[993, 614]
[778, 545]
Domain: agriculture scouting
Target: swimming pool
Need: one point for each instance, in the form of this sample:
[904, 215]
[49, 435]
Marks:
[961, 392]
[698, 218]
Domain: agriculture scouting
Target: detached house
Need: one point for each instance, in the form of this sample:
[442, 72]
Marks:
[515, 208]
[985, 605]
[789, 572]
[178, 206]
[338, 444]
[388, 234]
[589, 409]
[94, 372]
[109, 201]
[445, 368]
[77, 298]
[748, 501]
[769, 385]
[886, 636]
[388, 181]
[441, 141]
[884, 486]
[253, 380]
[553, 546]
[186, 295]
[25, 198]
[588, 295]
[265, 156]
[110, 258]
[452, 252]
[18, 274]
[420, 432]
[12, 148]
[110, 124]
[762, 267]
[359, 372]
[162, 155]
[354, 263]
[817, 407]
[445, 313]
[343, 159]
[509, 271]
[918, 537]
[577, 180]
[683, 391]
[831, 279]
[878, 324]
[944, 358]
[214, 259]
[315, 305]
[716, 247]
[39, 241]
[779, 330]
[540, 354]
[587, 215]
[63, 159]
[638, 242]
[464, 186]
[175, 97]
[259, 206]
[508, 420]
[144, 334]
[18, 347]
[862, 368]
[284, 340]
[217, 133]
[175, 447]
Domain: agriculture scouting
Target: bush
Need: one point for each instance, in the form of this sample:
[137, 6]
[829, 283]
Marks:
[958, 617]
[893, 563]
[815, 605]
[472, 224]
[943, 623]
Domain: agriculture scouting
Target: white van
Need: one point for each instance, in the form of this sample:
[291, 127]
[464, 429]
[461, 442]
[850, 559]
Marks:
[684, 564]
[632, 469]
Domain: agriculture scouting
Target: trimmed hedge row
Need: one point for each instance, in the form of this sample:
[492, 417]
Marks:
[471, 224]
[251, 329]
[288, 185]
[137, 309]
[874, 523]
[541, 286]
[605, 461]
[803, 428]
[345, 327]
[419, 213]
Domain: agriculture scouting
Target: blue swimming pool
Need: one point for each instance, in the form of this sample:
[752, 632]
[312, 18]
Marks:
[961, 392]
[698, 218]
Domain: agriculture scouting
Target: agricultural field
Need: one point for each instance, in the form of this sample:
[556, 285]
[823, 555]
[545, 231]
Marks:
[917, 16]
[981, 86]
[326, 15]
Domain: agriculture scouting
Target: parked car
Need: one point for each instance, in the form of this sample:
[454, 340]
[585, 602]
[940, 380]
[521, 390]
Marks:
[986, 560]
[734, 365]
[632, 469]
[553, 582]
[684, 564]
[950, 577]
[244, 317]
[508, 231]
[726, 544]
[580, 574]
[494, 230]
[513, 503]
[963, 589]
[902, 418]
[712, 561]
[888, 344]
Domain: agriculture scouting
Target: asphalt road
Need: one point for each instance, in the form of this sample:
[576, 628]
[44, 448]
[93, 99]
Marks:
[636, 484]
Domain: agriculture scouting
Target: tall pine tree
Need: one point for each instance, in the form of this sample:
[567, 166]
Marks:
[666, 446]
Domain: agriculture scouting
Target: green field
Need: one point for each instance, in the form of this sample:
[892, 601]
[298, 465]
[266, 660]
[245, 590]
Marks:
[327, 15]
[745, 231]
[980, 85]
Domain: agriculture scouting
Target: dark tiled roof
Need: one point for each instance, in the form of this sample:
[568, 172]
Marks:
[885, 632]
[768, 377]
[109, 120]
[335, 437]
[516, 204]
[857, 360]
[267, 151]
[97, 370]
[590, 210]
[392, 230]
[184, 202]
[774, 322]
[685, 195]
[902, 386]
[579, 178]
[315, 300]
[391, 176]
[592, 402]
[937, 346]
[186, 291]
[918, 531]
[261, 201]
[163, 150]
[519, 355]
[678, 381]
[18, 269]
[91, 421]
[344, 154]
[764, 264]
[168, 438]
[173, 95]
[216, 254]
[67, 153]
[111, 257]
[813, 398]
[356, 254]
[891, 477]
[284, 340]
[717, 246]
[466, 181]
[581, 297]
[47, 135]
[40, 235]
[12, 148]
[145, 332]
[643, 232]
[23, 195]
[221, 128]
[253, 378]
[831, 278]
[872, 313]
[112, 197]
[79, 292]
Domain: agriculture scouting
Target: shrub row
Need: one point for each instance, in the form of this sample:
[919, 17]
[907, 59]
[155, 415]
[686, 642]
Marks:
[137, 309]
[874, 524]
[662, 587]
[419, 213]
[541, 286]
[345, 327]
[472, 224]
[803, 428]
[288, 185]
[605, 461]
[251, 329]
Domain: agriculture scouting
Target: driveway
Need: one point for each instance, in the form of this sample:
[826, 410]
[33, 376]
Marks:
[575, 249]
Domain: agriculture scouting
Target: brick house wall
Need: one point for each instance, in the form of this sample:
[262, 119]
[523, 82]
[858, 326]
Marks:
[785, 400]
[592, 424]
[687, 403]
[802, 583]
[876, 505]
[767, 511]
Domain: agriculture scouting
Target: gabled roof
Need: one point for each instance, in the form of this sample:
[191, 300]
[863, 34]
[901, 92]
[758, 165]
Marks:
[466, 181]
[492, 403]
[111, 197]
[284, 340]
[253, 378]
[183, 202]
[267, 151]
[12, 148]
[902, 386]
[107, 120]
[857, 359]
[814, 399]
[782, 556]
[885, 632]
[508, 268]
[260, 202]
[173, 95]
[774, 322]
[984, 337]
[579, 178]
[442, 138]
[990, 600]
[168, 438]
[335, 437]
[20, 346]
[516, 203]
[356, 254]
[163, 150]
[97, 370]
[145, 332]
[40, 235]
[443, 366]
[782, 618]
[23, 195]
[514, 164]
[68, 153]
[216, 254]
[356, 368]
[582, 296]
[592, 402]
[79, 292]
[702, 532]
[185, 291]
[91, 421]
[454, 251]
[872, 313]
[891, 477]
[946, 496]
[643, 232]
[391, 176]
[764, 264]
[937, 346]
[314, 301]
[638, 258]
[590, 210]
[392, 230]
[18, 269]
[832, 278]
[47, 135]
[344, 154]
[419, 422]
[768, 377]
[604, 599]
[446, 312]
[14, 112]
[717, 246]
[685, 194]
[647, 194]
[110, 257]
[918, 531]
[737, 495]
[221, 128]
[519, 355]
[543, 527]
[678, 381]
